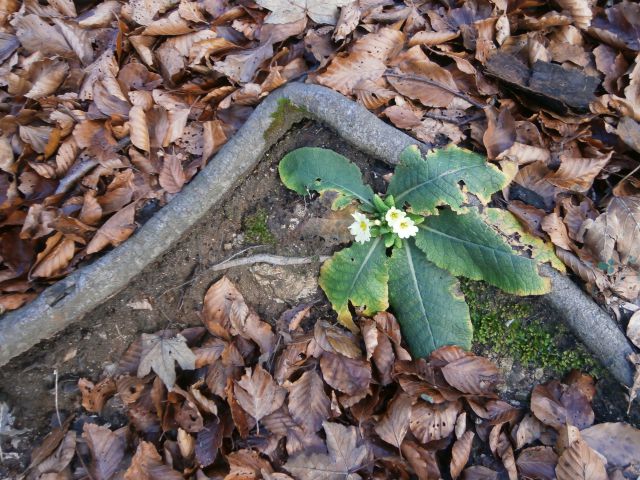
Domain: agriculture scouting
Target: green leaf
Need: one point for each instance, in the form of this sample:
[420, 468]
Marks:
[322, 170]
[427, 183]
[427, 301]
[510, 228]
[465, 245]
[358, 273]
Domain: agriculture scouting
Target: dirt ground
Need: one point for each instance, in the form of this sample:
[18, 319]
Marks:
[175, 286]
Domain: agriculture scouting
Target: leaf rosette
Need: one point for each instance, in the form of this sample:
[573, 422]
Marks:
[412, 243]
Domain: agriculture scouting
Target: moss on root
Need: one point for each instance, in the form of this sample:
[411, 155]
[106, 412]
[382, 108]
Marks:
[256, 230]
[513, 329]
[286, 114]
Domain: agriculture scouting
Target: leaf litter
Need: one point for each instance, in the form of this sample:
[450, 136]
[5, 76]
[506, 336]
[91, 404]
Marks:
[240, 414]
[112, 107]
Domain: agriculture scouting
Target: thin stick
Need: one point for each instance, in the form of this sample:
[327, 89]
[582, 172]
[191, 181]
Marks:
[428, 81]
[55, 375]
[268, 258]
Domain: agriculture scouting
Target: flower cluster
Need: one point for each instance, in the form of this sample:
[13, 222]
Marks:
[390, 222]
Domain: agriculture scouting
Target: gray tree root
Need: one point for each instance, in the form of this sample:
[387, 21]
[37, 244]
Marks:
[68, 300]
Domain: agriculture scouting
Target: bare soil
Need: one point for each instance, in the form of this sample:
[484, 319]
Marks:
[175, 286]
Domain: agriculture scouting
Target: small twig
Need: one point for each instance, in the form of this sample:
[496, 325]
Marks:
[268, 258]
[192, 279]
[55, 375]
[83, 168]
[428, 81]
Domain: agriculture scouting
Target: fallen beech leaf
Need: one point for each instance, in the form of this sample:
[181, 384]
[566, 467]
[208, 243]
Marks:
[36, 35]
[633, 329]
[258, 394]
[537, 462]
[107, 450]
[433, 422]
[423, 461]
[372, 95]
[56, 256]
[308, 402]
[553, 225]
[460, 454]
[528, 431]
[580, 10]
[46, 77]
[172, 177]
[479, 472]
[346, 456]
[242, 67]
[346, 71]
[94, 396]
[557, 405]
[619, 443]
[159, 354]
[147, 464]
[115, 230]
[332, 338]
[471, 374]
[348, 375]
[394, 425]
[289, 11]
[247, 464]
[208, 442]
[58, 461]
[139, 129]
[501, 131]
[580, 462]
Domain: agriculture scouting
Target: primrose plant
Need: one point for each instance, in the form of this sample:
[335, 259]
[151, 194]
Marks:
[410, 243]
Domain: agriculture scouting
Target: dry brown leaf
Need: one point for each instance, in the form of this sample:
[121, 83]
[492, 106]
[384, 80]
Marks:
[172, 24]
[423, 461]
[433, 422]
[346, 455]
[348, 375]
[460, 454]
[613, 236]
[346, 71]
[172, 177]
[372, 95]
[501, 131]
[618, 442]
[147, 464]
[139, 129]
[580, 10]
[289, 11]
[471, 374]
[56, 256]
[36, 35]
[46, 77]
[94, 396]
[258, 394]
[393, 427]
[578, 173]
[553, 225]
[160, 354]
[308, 402]
[59, 459]
[580, 462]
[107, 450]
[242, 67]
[633, 329]
[537, 462]
[402, 116]
[557, 405]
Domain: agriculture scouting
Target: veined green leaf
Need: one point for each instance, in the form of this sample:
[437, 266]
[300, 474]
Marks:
[427, 302]
[507, 224]
[322, 170]
[465, 245]
[425, 183]
[358, 274]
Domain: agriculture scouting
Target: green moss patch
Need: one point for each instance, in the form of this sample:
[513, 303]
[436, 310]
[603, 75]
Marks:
[285, 114]
[256, 230]
[509, 329]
